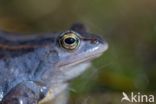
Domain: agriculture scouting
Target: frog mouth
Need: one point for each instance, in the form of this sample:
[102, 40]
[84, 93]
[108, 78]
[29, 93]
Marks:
[89, 58]
[84, 57]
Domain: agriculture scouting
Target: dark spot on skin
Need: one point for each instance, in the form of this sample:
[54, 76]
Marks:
[78, 27]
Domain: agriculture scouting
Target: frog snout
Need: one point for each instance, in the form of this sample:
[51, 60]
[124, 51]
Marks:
[100, 42]
[97, 40]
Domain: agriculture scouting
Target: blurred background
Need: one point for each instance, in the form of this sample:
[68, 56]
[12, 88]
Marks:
[129, 26]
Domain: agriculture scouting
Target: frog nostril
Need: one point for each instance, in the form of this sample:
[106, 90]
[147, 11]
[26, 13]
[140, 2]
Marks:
[94, 41]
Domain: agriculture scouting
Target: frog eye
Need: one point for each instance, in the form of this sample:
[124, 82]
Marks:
[69, 40]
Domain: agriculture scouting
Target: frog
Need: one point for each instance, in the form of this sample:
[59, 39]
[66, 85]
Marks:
[33, 65]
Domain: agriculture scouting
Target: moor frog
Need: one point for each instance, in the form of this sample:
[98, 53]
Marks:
[31, 66]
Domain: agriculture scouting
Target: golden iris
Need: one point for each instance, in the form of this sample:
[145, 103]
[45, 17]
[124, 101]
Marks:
[69, 40]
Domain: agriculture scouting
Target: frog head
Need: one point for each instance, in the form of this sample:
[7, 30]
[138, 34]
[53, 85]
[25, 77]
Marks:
[76, 48]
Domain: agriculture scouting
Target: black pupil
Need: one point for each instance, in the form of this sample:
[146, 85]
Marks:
[70, 40]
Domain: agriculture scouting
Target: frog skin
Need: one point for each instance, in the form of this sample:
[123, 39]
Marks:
[31, 66]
